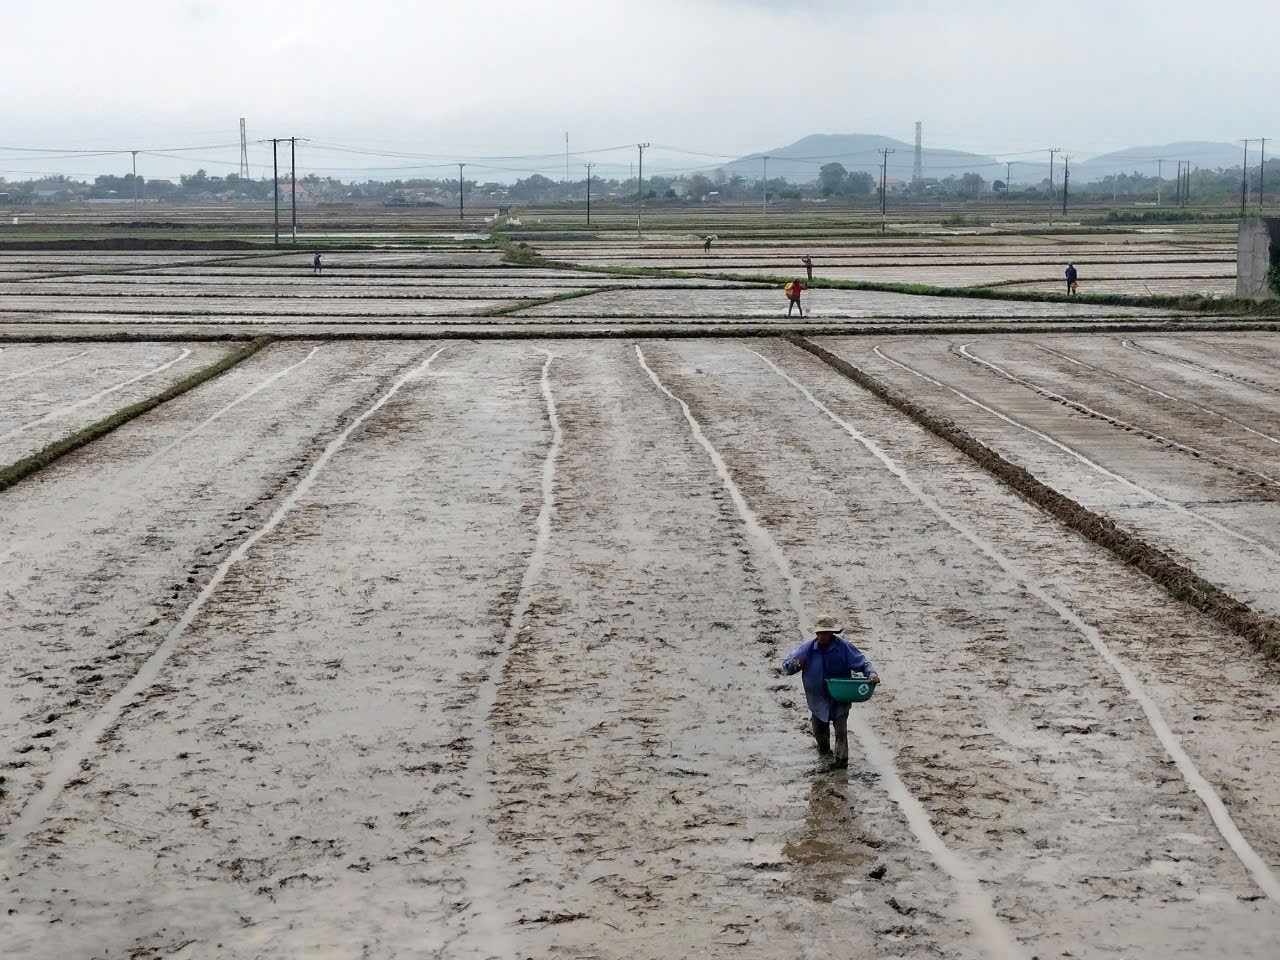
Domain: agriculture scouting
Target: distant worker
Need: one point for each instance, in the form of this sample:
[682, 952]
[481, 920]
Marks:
[1073, 278]
[317, 263]
[706, 244]
[828, 656]
[793, 291]
[808, 266]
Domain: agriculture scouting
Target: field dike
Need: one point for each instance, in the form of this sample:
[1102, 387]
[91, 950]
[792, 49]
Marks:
[42, 458]
[996, 938]
[1139, 554]
[1181, 583]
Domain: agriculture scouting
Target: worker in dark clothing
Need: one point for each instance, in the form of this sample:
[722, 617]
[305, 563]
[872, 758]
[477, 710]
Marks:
[808, 266]
[1072, 279]
[706, 244]
[316, 263]
[828, 656]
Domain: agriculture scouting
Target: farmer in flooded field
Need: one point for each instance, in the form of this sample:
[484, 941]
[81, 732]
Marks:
[828, 656]
[793, 290]
[317, 263]
[1073, 278]
[808, 266]
[706, 244]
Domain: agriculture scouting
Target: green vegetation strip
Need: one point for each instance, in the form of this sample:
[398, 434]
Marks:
[59, 448]
[539, 301]
[1179, 581]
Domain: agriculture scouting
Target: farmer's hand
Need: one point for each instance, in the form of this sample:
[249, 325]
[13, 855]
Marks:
[874, 678]
[799, 662]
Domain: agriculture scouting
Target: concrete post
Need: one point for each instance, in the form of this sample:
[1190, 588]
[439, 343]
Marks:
[1258, 258]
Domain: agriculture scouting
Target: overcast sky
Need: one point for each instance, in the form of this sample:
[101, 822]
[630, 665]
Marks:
[469, 79]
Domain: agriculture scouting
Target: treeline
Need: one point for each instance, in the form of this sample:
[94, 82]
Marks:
[833, 184]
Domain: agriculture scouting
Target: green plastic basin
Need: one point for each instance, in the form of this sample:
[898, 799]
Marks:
[853, 690]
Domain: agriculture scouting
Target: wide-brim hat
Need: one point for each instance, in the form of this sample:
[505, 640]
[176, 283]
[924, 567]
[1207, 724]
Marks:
[827, 625]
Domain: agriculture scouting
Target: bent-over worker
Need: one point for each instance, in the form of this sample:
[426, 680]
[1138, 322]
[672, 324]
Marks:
[828, 656]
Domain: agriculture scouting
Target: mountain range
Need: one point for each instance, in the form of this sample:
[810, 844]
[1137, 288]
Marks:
[799, 162]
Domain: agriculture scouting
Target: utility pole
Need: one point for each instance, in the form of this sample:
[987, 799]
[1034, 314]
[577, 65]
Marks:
[460, 210]
[1262, 173]
[1052, 151]
[293, 180]
[765, 181]
[244, 152]
[1159, 179]
[1008, 176]
[275, 185]
[1066, 182]
[589, 166]
[1178, 193]
[566, 156]
[1244, 178]
[884, 182]
[135, 183]
[1187, 193]
[642, 147]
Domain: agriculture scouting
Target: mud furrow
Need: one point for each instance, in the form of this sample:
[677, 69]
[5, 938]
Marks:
[1159, 393]
[223, 411]
[86, 401]
[488, 860]
[1076, 455]
[68, 763]
[965, 352]
[990, 930]
[1259, 869]
[43, 366]
[1202, 367]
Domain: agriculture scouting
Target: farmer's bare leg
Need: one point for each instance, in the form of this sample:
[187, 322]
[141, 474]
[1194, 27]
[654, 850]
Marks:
[822, 734]
[842, 740]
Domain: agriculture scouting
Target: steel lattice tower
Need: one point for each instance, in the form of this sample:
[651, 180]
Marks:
[917, 171]
[244, 152]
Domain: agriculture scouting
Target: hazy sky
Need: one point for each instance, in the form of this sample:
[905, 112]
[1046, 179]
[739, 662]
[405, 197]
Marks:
[478, 78]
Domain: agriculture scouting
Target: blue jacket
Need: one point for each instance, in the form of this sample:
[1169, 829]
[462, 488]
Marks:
[840, 660]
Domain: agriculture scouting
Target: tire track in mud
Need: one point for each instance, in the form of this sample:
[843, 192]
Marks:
[996, 938]
[44, 366]
[1160, 393]
[487, 864]
[1114, 421]
[62, 411]
[1258, 868]
[65, 768]
[1202, 367]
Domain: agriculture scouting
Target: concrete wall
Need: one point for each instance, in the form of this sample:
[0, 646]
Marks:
[1258, 249]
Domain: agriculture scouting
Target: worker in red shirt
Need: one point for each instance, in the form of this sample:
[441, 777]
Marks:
[793, 291]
